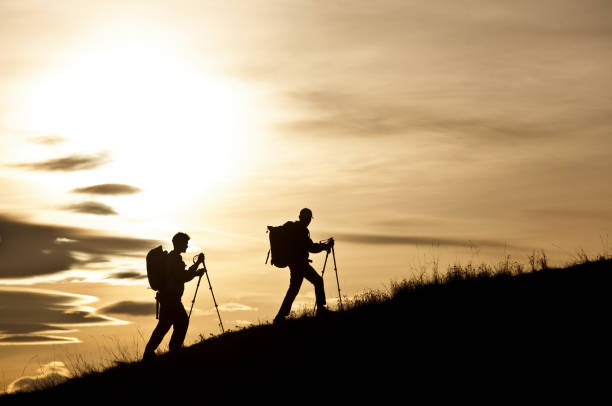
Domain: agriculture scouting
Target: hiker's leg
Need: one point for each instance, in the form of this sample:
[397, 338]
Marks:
[163, 325]
[295, 282]
[180, 322]
[313, 277]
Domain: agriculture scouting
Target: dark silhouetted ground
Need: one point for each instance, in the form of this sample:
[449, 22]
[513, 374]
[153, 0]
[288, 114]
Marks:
[467, 335]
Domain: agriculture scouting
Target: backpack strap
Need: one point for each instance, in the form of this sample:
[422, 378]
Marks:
[157, 306]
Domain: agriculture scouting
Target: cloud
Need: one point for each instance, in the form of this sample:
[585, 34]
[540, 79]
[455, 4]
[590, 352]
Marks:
[402, 222]
[230, 307]
[61, 240]
[127, 275]
[67, 164]
[48, 139]
[236, 307]
[90, 207]
[33, 316]
[132, 308]
[242, 323]
[338, 113]
[108, 189]
[48, 375]
[498, 74]
[108, 245]
[28, 249]
[569, 213]
[135, 308]
[376, 239]
[334, 112]
[20, 339]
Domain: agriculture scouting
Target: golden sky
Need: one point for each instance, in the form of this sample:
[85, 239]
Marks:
[416, 131]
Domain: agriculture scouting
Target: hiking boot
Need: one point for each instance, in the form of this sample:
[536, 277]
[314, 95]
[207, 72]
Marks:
[323, 311]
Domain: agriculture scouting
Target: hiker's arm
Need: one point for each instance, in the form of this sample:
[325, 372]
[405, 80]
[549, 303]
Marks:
[305, 242]
[180, 274]
[315, 247]
[192, 272]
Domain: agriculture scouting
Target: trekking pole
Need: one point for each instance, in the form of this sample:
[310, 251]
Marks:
[214, 301]
[195, 259]
[324, 263]
[211, 292]
[336, 269]
[194, 296]
[322, 273]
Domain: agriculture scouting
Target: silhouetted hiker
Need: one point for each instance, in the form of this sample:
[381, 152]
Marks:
[299, 265]
[171, 311]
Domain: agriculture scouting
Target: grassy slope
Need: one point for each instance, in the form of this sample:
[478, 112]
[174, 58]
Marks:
[466, 331]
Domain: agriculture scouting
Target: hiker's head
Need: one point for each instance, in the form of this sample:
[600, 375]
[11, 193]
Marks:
[305, 216]
[180, 241]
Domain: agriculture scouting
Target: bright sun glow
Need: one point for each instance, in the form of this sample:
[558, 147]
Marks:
[169, 126]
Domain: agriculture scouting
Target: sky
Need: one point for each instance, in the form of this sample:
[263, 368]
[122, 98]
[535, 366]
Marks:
[419, 133]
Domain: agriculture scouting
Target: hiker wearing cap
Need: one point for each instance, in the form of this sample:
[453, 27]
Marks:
[299, 265]
[172, 312]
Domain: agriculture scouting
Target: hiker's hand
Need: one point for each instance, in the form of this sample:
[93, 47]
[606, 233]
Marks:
[330, 244]
[201, 258]
[200, 272]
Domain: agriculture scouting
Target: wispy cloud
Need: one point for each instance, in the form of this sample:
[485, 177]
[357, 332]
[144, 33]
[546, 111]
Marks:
[48, 139]
[569, 213]
[380, 239]
[127, 275]
[242, 323]
[335, 113]
[36, 339]
[403, 222]
[136, 308]
[235, 307]
[32, 316]
[52, 373]
[229, 307]
[112, 245]
[28, 249]
[67, 164]
[107, 189]
[132, 308]
[91, 207]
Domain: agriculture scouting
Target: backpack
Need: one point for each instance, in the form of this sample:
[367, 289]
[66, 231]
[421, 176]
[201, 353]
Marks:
[281, 244]
[156, 267]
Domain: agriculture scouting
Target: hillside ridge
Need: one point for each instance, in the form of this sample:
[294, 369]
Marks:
[468, 324]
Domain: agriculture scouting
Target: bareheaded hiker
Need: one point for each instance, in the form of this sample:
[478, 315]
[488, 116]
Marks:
[293, 245]
[167, 275]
